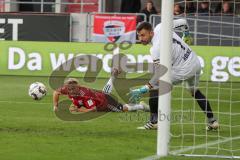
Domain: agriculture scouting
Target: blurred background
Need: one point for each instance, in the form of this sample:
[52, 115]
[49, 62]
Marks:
[212, 22]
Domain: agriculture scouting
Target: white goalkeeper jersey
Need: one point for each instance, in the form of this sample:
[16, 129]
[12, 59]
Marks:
[183, 58]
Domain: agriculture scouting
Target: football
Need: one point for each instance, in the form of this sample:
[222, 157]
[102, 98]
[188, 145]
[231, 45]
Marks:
[37, 90]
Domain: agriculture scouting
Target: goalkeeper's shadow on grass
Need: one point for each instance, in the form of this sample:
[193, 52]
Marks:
[64, 113]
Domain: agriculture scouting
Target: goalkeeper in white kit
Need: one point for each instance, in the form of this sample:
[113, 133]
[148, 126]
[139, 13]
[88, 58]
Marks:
[185, 67]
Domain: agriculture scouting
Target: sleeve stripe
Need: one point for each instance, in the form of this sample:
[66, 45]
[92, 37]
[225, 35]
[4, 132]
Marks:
[149, 85]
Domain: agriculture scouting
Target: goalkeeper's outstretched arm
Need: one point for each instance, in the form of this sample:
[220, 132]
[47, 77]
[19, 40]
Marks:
[181, 24]
[184, 27]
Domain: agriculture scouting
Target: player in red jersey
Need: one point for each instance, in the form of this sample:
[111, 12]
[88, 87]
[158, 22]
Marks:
[85, 99]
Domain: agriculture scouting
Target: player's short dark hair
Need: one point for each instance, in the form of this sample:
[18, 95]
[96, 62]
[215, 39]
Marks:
[144, 25]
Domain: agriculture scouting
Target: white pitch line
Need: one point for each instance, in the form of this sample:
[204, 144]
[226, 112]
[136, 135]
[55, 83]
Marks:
[155, 157]
[212, 143]
[22, 102]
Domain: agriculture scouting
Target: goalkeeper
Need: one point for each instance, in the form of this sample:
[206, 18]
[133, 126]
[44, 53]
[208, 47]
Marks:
[185, 67]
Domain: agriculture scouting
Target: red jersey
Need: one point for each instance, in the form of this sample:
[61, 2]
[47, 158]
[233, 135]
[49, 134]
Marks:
[86, 97]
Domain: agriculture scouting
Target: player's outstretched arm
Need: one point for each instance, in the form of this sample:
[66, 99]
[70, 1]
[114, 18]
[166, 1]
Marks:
[56, 95]
[83, 109]
[135, 94]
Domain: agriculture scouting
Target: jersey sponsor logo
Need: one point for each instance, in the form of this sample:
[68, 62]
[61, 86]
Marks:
[90, 102]
[80, 102]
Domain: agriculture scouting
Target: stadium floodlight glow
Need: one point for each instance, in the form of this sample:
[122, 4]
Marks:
[164, 102]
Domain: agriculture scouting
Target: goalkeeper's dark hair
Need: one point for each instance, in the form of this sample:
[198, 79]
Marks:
[144, 25]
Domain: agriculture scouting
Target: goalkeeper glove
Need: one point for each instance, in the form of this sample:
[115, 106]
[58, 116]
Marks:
[135, 94]
[187, 38]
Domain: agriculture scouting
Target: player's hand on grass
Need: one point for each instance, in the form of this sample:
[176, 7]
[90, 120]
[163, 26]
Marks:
[187, 38]
[136, 94]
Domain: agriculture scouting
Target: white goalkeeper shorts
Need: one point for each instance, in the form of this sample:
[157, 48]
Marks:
[190, 79]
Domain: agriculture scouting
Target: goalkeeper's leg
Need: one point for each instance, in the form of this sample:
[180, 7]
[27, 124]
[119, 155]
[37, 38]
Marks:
[109, 85]
[153, 104]
[202, 102]
[206, 108]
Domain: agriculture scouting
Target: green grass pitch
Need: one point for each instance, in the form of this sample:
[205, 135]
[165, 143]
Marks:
[30, 130]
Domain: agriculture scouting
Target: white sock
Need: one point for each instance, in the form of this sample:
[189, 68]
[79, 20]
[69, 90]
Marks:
[134, 107]
[109, 86]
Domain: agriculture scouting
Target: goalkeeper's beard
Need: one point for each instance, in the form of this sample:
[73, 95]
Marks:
[145, 42]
